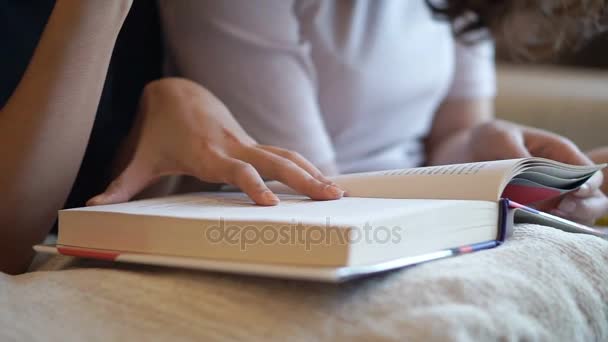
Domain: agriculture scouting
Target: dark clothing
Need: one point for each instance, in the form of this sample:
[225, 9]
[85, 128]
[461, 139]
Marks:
[136, 61]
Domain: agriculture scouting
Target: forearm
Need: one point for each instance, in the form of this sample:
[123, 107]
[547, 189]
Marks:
[453, 149]
[45, 126]
[449, 139]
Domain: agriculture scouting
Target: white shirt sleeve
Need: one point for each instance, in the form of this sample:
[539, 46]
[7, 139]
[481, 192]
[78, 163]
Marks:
[249, 54]
[474, 71]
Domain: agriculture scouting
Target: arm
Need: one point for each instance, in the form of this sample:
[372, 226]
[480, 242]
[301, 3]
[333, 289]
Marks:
[468, 104]
[45, 126]
[449, 139]
[252, 58]
[464, 130]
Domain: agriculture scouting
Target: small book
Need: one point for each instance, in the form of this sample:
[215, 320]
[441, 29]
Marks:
[390, 219]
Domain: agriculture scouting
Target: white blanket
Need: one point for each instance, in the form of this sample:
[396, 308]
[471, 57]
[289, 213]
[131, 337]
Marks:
[543, 285]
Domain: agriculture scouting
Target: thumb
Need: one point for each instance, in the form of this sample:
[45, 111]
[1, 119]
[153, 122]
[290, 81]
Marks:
[552, 146]
[128, 184]
[568, 152]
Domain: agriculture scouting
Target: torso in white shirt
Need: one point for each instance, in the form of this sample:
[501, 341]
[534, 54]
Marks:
[357, 82]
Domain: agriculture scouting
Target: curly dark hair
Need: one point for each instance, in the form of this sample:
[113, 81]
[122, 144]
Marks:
[526, 29]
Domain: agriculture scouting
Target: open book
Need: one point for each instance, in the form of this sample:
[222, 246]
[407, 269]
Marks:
[391, 219]
[525, 181]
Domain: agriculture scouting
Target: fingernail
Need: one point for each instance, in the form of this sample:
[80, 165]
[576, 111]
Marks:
[95, 200]
[583, 190]
[334, 190]
[270, 197]
[568, 206]
[557, 212]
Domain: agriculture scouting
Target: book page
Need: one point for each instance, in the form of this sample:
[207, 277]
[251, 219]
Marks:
[237, 206]
[472, 181]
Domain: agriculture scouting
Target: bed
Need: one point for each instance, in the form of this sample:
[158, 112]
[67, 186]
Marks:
[541, 285]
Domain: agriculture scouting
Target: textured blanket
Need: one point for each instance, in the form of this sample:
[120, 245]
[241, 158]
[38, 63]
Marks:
[542, 285]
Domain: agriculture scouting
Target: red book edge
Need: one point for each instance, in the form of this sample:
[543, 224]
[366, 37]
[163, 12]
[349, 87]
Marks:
[525, 194]
[88, 253]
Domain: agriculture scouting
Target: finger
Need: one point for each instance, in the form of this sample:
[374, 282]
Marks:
[129, 183]
[299, 160]
[599, 155]
[245, 177]
[591, 186]
[556, 147]
[511, 144]
[287, 172]
[584, 210]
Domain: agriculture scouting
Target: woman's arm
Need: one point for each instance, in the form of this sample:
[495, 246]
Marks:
[464, 131]
[448, 141]
[45, 125]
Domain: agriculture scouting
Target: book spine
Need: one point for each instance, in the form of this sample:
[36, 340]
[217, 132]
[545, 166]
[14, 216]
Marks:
[504, 226]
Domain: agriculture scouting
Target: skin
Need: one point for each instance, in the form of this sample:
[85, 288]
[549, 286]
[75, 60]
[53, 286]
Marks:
[181, 129]
[600, 156]
[65, 76]
[465, 131]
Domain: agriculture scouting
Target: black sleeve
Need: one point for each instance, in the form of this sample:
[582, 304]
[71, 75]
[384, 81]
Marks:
[21, 24]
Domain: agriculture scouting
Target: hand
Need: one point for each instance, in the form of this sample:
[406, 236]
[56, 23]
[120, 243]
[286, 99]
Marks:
[183, 129]
[503, 140]
[600, 156]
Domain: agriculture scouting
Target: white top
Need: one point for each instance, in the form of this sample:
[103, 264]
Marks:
[356, 82]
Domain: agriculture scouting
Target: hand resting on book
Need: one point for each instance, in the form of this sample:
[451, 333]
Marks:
[183, 129]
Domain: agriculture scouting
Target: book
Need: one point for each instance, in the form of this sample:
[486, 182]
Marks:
[390, 219]
[525, 181]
